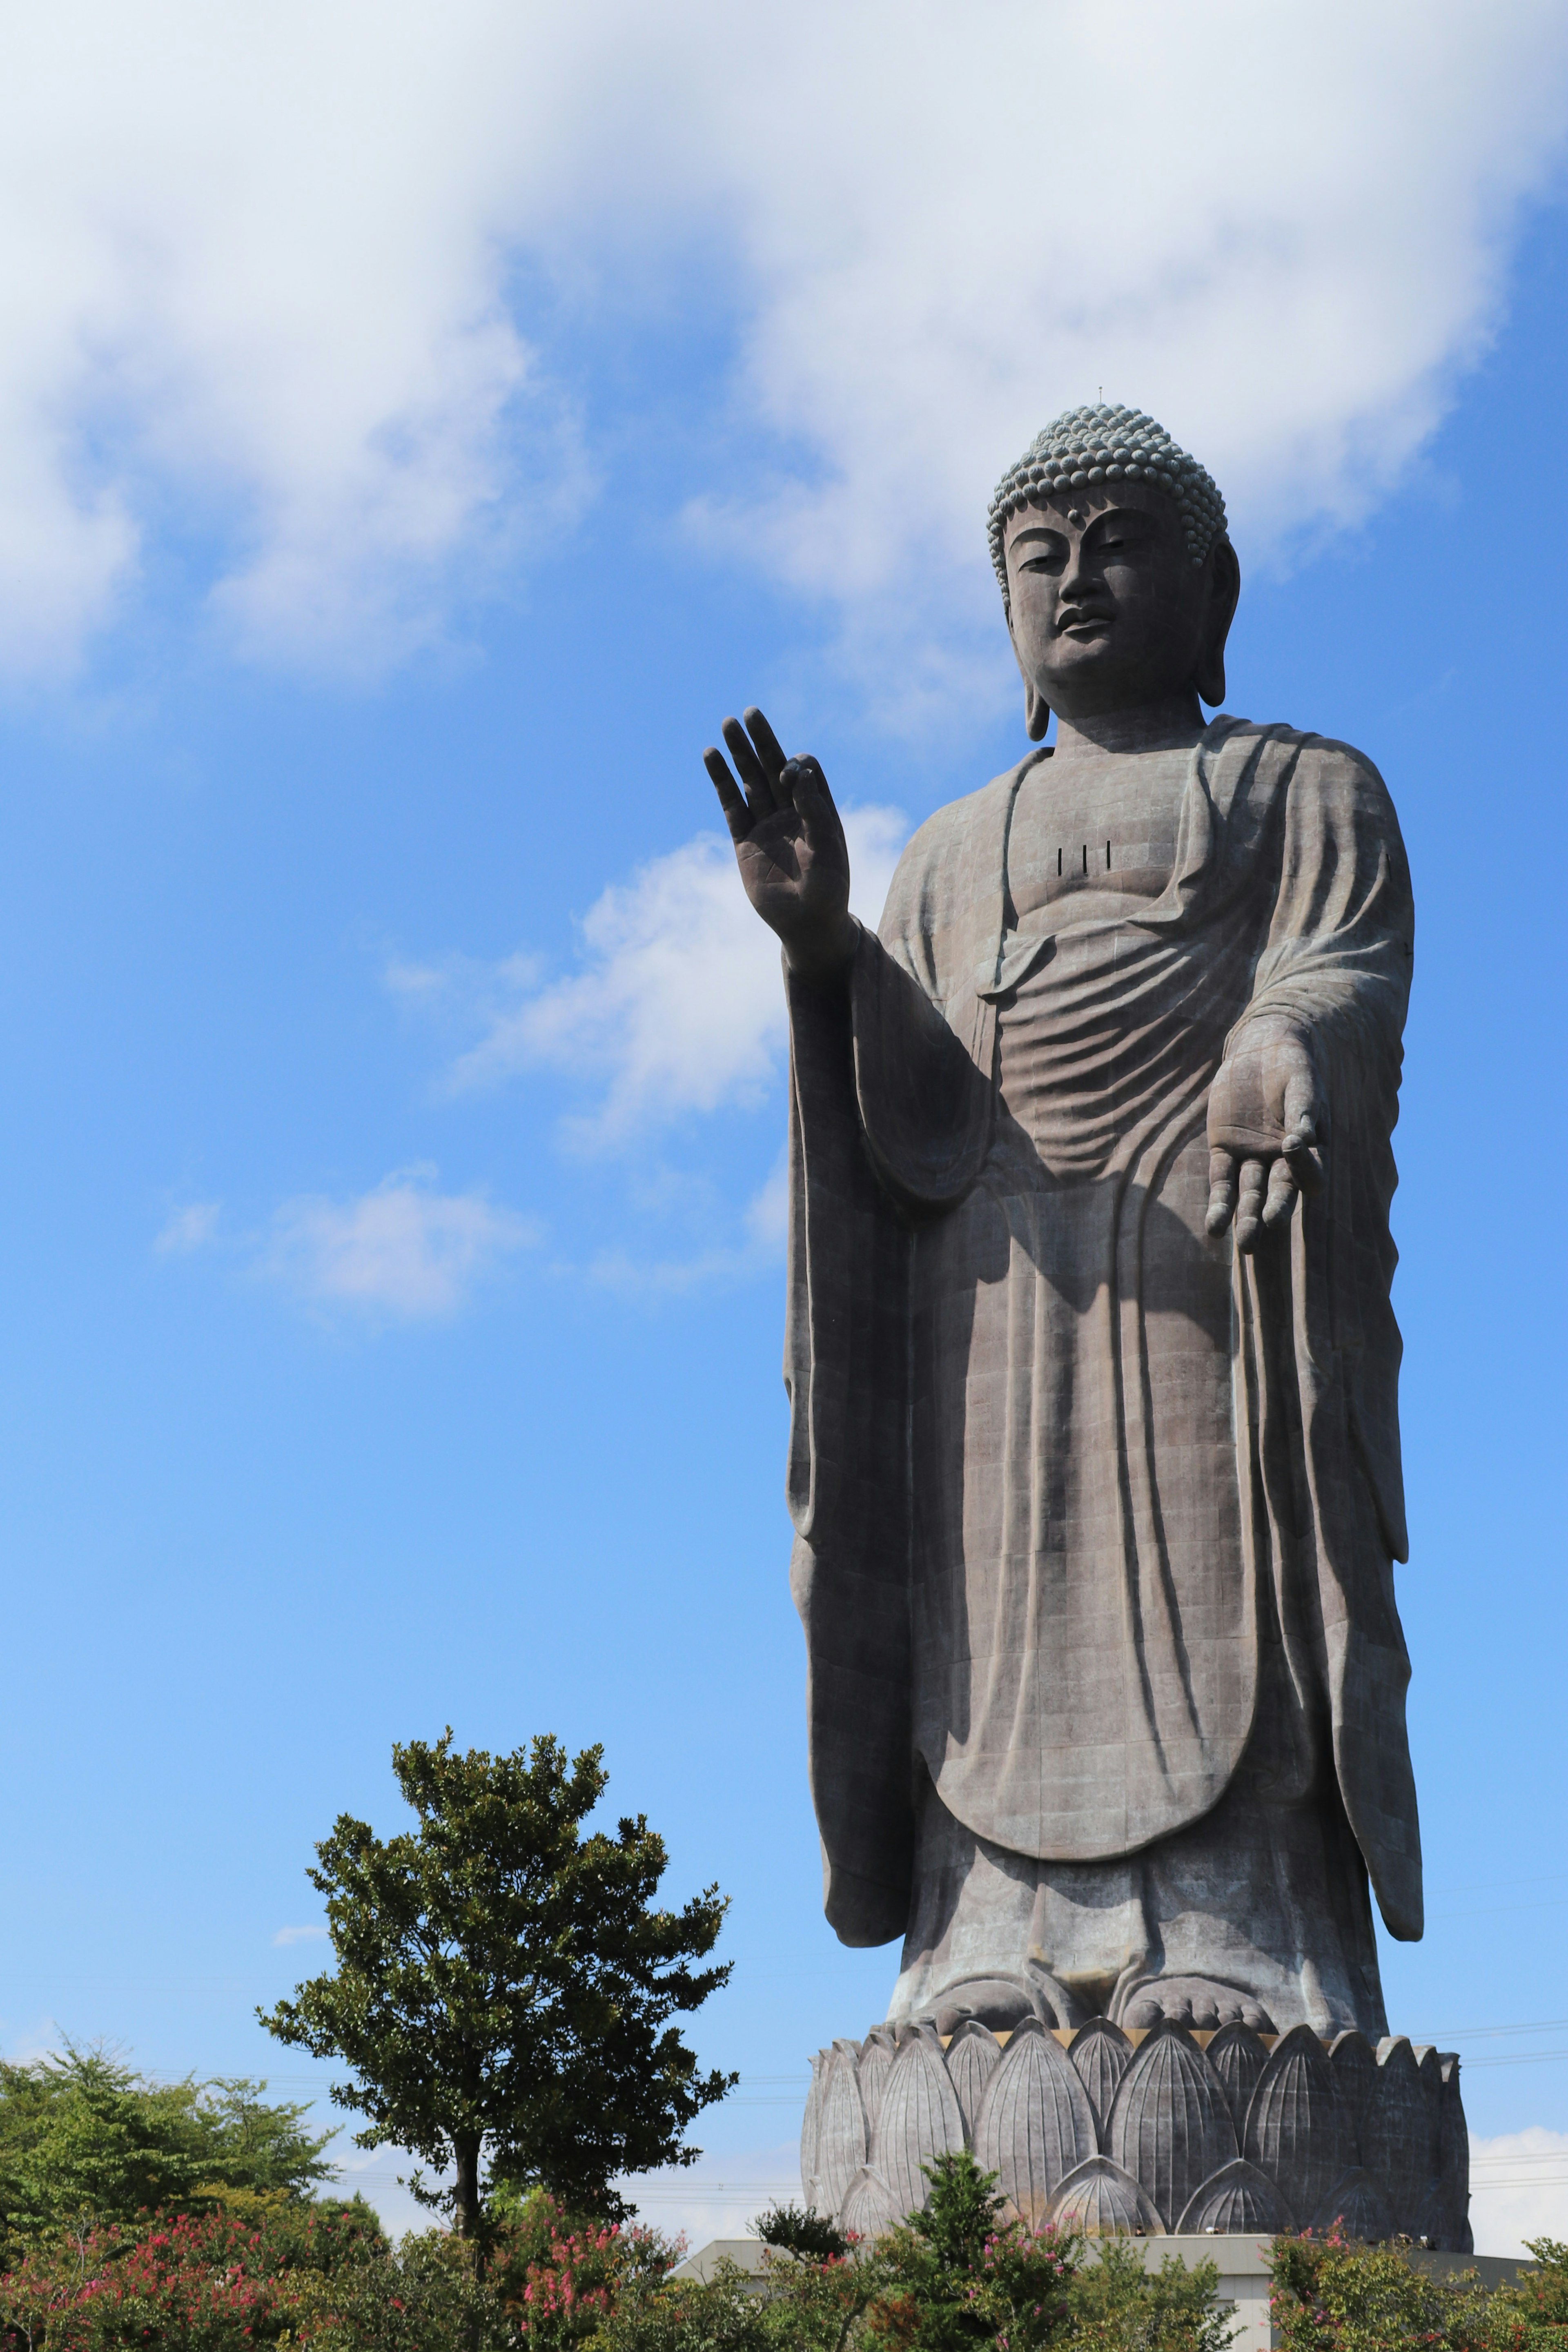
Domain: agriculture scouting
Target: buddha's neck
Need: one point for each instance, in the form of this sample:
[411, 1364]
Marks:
[1172, 724]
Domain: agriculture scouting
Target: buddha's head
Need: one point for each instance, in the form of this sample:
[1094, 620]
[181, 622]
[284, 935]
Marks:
[1117, 579]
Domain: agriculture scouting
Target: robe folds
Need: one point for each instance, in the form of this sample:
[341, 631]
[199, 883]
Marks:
[1055, 1453]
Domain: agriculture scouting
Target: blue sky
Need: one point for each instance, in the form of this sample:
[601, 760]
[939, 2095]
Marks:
[409, 449]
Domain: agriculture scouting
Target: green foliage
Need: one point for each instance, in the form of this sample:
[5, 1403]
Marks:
[1532, 2316]
[503, 1986]
[1115, 2303]
[1332, 2295]
[959, 2276]
[85, 2139]
[935, 2259]
[800, 2229]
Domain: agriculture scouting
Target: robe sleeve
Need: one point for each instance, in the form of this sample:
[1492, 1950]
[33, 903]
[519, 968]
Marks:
[1319, 1334]
[889, 1122]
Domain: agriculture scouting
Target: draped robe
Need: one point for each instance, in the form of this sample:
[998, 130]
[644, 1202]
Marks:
[1055, 1452]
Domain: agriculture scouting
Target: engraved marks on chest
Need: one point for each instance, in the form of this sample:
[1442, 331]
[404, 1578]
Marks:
[1103, 824]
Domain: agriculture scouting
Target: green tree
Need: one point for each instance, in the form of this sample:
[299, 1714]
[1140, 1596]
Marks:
[503, 1987]
[85, 2139]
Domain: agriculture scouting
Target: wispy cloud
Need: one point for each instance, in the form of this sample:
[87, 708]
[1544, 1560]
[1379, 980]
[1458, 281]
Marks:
[330, 374]
[677, 1006]
[1518, 2189]
[403, 1249]
[190, 1227]
[287, 1936]
[759, 1243]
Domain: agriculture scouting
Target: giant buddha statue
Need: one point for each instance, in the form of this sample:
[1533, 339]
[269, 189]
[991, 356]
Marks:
[1094, 1466]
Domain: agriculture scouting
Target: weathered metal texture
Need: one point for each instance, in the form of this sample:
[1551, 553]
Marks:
[1101, 2052]
[811, 2134]
[1104, 2201]
[869, 2207]
[1234, 2201]
[920, 2119]
[1356, 2206]
[1026, 2111]
[1299, 2128]
[1355, 2071]
[1398, 2133]
[875, 2063]
[1446, 2219]
[841, 2145]
[1169, 2124]
[1036, 2123]
[1239, 2058]
[973, 2057]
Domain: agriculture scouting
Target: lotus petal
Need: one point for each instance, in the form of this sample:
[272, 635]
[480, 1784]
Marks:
[1431, 2071]
[1299, 2128]
[1035, 2123]
[869, 2208]
[1102, 2053]
[1357, 2208]
[1397, 2133]
[1446, 2219]
[811, 2130]
[1238, 2057]
[1103, 2201]
[876, 2061]
[1234, 2203]
[973, 2057]
[920, 2119]
[841, 2136]
[1355, 2071]
[1170, 2122]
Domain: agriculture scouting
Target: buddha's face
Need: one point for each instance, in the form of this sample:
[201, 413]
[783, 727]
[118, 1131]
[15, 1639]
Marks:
[1109, 609]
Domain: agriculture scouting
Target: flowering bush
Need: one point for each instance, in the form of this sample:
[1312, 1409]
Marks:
[197, 2282]
[1332, 2295]
[558, 2280]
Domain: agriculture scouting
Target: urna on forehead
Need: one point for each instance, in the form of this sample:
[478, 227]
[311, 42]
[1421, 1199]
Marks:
[1087, 447]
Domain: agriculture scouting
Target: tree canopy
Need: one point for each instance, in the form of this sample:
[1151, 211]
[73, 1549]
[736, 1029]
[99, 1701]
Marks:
[85, 2137]
[503, 1985]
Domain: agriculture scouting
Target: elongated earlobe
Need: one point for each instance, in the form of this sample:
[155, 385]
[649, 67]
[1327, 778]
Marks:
[1224, 588]
[1037, 713]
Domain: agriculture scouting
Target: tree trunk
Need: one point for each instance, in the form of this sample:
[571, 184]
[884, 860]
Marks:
[465, 2196]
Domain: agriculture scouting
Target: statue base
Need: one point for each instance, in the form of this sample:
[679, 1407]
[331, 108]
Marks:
[1157, 2133]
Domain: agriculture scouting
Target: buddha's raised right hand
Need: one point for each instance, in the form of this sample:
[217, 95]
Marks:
[789, 846]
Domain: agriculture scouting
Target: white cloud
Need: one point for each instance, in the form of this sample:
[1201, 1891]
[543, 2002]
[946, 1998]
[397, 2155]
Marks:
[287, 1936]
[1518, 2189]
[403, 1249]
[679, 1006]
[258, 272]
[188, 1228]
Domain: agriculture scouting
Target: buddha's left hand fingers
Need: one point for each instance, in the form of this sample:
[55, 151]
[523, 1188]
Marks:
[1281, 1197]
[737, 815]
[1249, 1206]
[760, 796]
[770, 751]
[1222, 1189]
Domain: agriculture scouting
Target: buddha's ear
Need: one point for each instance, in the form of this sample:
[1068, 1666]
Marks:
[1036, 709]
[1224, 588]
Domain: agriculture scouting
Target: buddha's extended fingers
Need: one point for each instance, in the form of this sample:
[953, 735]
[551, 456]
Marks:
[731, 800]
[758, 784]
[1300, 1104]
[1281, 1197]
[770, 751]
[1301, 1149]
[1249, 1204]
[1222, 1189]
[806, 786]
